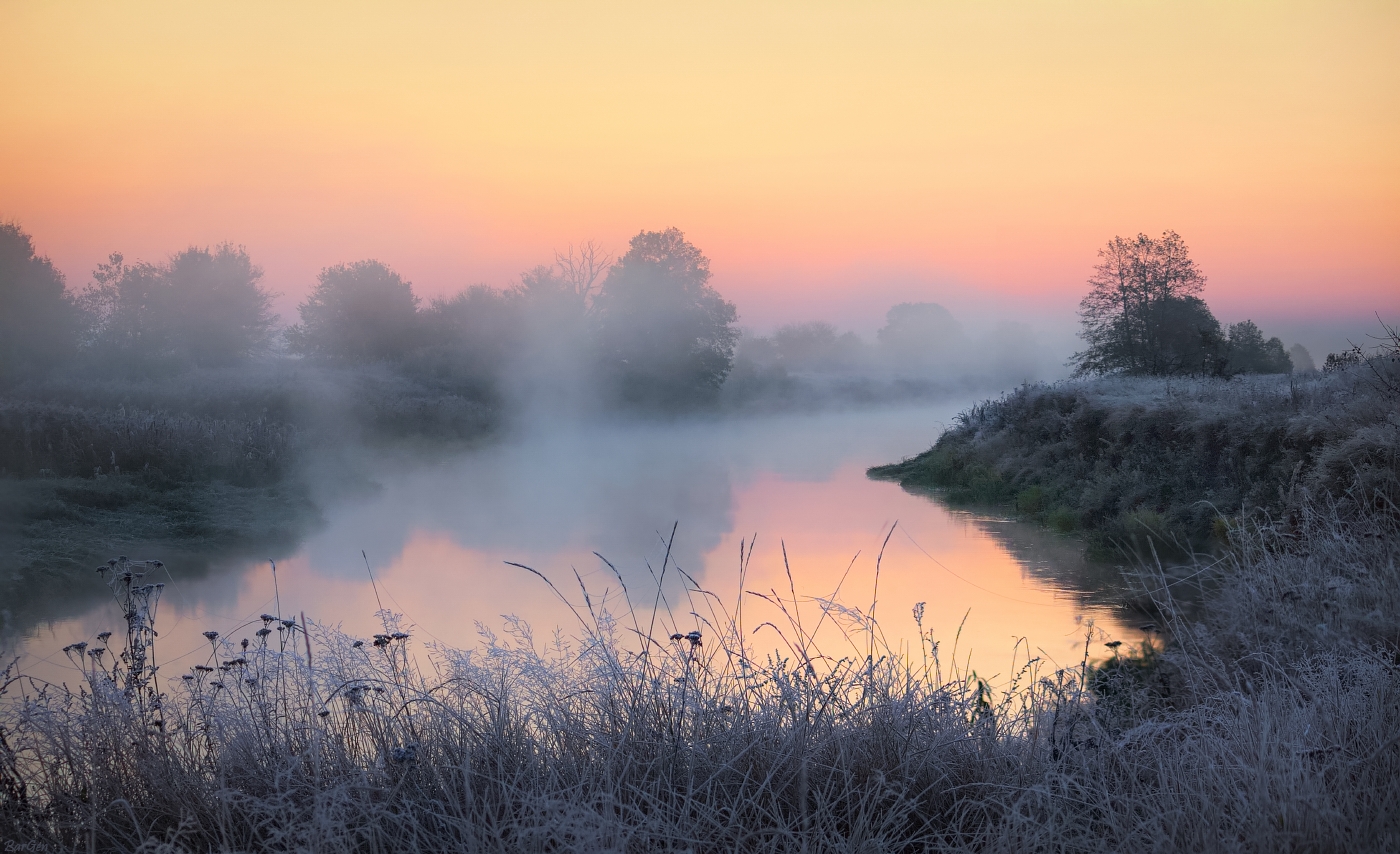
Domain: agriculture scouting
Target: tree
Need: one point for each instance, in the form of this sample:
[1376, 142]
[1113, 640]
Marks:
[816, 345]
[1186, 337]
[1248, 353]
[39, 321]
[917, 334]
[203, 307]
[1300, 357]
[1141, 293]
[356, 313]
[665, 337]
[218, 312]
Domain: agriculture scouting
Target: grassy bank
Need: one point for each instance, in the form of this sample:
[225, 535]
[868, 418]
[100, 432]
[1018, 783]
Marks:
[194, 465]
[1266, 718]
[1174, 459]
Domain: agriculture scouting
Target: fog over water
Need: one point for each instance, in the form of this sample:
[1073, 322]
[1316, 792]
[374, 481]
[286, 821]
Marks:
[436, 534]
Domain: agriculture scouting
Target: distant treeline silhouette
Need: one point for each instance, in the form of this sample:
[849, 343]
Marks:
[648, 327]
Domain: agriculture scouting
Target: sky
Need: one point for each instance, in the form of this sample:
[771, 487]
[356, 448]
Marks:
[830, 158]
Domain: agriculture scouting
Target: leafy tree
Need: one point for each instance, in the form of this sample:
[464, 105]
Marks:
[1142, 314]
[1187, 338]
[666, 338]
[39, 321]
[203, 307]
[468, 339]
[356, 313]
[1248, 352]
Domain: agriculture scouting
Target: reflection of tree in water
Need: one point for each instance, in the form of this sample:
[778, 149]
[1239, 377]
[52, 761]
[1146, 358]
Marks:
[1057, 561]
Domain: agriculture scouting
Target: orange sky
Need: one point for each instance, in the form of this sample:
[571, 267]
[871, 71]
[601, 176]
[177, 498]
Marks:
[829, 158]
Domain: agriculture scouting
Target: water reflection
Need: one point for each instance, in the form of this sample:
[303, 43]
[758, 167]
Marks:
[435, 538]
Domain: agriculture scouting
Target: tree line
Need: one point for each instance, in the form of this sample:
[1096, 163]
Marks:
[645, 328]
[647, 325]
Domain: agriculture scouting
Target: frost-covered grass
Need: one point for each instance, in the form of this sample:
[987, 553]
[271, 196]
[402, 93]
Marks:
[1267, 722]
[1171, 458]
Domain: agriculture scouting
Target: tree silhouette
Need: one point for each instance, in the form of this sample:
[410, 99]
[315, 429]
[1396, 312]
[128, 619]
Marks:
[357, 312]
[1249, 353]
[1142, 314]
[919, 334]
[203, 307]
[39, 321]
[665, 337]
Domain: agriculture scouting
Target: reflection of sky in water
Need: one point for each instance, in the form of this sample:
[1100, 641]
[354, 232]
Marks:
[437, 536]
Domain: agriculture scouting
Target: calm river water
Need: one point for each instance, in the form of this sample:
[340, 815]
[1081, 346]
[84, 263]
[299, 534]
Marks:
[436, 536]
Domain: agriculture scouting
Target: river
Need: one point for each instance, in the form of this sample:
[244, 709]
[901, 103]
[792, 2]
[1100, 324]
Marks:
[430, 539]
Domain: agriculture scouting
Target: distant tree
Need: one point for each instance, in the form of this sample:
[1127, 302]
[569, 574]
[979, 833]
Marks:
[815, 345]
[574, 278]
[1142, 314]
[357, 313]
[665, 337]
[1300, 357]
[1248, 353]
[1343, 360]
[921, 333]
[470, 337]
[203, 307]
[39, 321]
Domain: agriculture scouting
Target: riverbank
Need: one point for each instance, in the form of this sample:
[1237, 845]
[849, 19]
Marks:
[194, 465]
[1174, 461]
[1266, 723]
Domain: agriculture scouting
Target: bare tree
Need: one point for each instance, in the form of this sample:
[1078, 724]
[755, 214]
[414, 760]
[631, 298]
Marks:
[582, 268]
